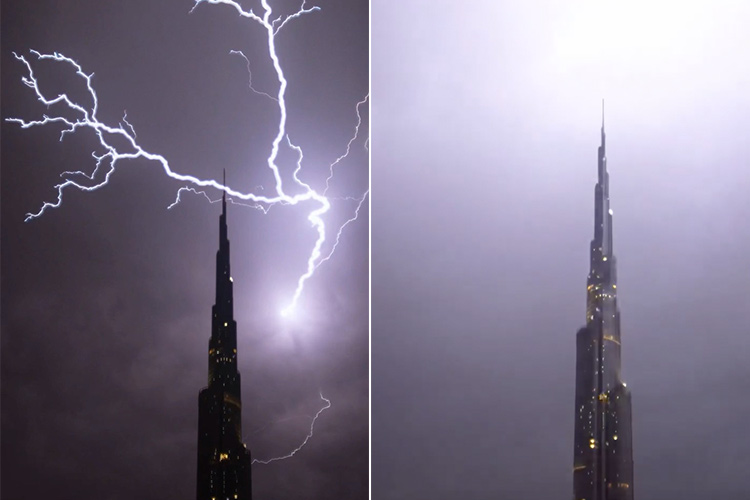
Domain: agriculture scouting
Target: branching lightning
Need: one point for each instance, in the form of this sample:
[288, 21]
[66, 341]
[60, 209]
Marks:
[307, 438]
[187, 189]
[341, 229]
[250, 75]
[349, 144]
[108, 158]
[107, 161]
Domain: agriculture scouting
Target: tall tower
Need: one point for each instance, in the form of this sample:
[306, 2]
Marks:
[603, 458]
[223, 460]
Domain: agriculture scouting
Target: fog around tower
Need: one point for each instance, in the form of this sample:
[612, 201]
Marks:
[483, 176]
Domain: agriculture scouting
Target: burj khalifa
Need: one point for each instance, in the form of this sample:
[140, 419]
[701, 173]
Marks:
[603, 456]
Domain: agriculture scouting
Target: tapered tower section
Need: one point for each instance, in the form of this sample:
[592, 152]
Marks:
[603, 456]
[223, 460]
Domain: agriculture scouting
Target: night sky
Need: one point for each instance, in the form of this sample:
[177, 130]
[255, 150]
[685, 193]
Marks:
[106, 301]
[486, 121]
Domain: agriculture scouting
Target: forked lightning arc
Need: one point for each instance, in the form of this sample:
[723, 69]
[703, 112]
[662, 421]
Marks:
[108, 160]
[304, 442]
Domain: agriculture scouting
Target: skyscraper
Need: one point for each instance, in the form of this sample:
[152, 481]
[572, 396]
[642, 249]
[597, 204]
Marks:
[223, 460]
[603, 463]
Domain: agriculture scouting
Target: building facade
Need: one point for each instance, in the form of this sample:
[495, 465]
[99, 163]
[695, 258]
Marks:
[603, 456]
[223, 459]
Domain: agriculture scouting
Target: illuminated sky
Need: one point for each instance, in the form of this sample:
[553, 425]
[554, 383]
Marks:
[106, 301]
[485, 127]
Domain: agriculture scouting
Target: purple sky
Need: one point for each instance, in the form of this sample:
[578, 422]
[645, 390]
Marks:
[106, 301]
[485, 126]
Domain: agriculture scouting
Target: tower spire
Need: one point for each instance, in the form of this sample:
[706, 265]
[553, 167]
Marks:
[224, 195]
[602, 122]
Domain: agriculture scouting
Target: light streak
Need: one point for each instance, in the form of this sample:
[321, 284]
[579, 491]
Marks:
[108, 160]
[250, 75]
[187, 189]
[307, 438]
[349, 144]
[341, 229]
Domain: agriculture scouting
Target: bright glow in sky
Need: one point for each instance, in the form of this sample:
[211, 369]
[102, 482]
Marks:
[635, 34]
[612, 41]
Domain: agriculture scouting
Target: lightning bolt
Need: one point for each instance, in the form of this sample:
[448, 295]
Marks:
[187, 189]
[85, 117]
[341, 229]
[349, 144]
[78, 116]
[250, 75]
[307, 438]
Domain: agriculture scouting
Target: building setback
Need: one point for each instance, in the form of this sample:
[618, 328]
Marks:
[603, 456]
[223, 460]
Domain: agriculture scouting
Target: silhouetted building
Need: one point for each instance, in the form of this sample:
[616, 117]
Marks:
[223, 460]
[603, 464]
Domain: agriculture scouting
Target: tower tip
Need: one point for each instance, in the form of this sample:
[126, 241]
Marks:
[602, 113]
[224, 193]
